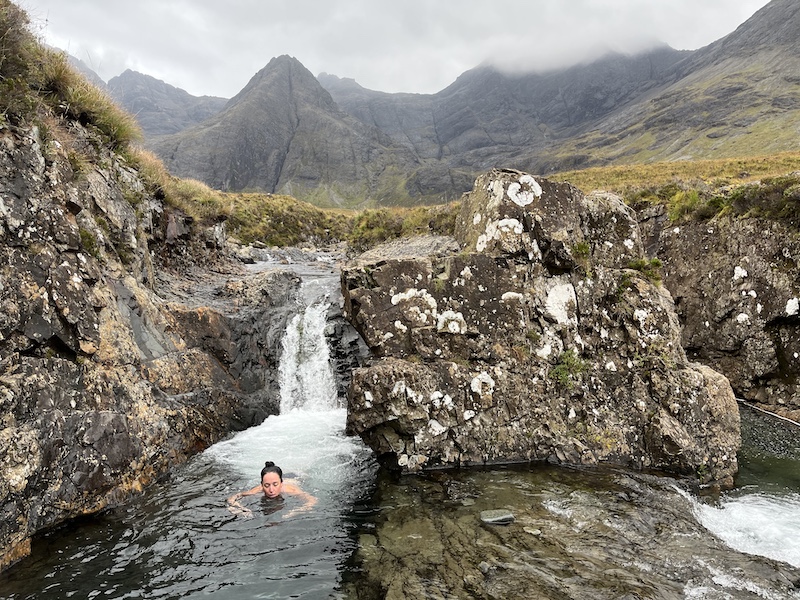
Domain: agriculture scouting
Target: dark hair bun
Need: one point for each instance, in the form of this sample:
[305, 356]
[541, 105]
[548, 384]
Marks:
[269, 464]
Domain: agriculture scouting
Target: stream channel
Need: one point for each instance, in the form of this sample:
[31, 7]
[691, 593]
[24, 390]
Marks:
[578, 533]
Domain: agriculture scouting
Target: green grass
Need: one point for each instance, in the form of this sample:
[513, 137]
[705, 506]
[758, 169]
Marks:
[568, 368]
[629, 178]
[374, 226]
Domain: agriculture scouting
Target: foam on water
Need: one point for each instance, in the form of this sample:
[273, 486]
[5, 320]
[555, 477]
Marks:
[309, 445]
[762, 524]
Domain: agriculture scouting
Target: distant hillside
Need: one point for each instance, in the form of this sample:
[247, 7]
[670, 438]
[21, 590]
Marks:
[736, 97]
[86, 71]
[160, 108]
[346, 145]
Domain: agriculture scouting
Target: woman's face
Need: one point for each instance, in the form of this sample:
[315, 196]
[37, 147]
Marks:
[271, 484]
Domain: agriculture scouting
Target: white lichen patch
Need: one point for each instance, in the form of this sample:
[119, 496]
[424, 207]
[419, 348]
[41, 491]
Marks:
[524, 192]
[439, 400]
[450, 321]
[793, 307]
[510, 226]
[401, 389]
[495, 189]
[641, 316]
[545, 351]
[476, 219]
[412, 293]
[497, 230]
[628, 243]
[482, 384]
[560, 303]
[468, 414]
[739, 273]
[400, 327]
[436, 428]
[512, 297]
[610, 366]
[417, 316]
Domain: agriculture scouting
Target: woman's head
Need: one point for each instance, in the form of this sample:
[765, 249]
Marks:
[271, 467]
[271, 480]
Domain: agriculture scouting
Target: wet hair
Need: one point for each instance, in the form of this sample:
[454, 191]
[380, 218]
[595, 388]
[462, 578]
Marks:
[271, 467]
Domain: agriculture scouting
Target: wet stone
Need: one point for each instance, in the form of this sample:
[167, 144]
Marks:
[497, 517]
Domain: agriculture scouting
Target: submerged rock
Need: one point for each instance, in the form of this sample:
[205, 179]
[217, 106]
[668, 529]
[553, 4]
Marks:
[497, 516]
[542, 339]
[579, 533]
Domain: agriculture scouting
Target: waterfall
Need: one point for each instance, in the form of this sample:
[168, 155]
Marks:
[307, 437]
[307, 380]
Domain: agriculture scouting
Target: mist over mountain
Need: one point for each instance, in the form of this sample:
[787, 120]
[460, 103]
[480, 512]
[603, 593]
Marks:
[738, 96]
[334, 142]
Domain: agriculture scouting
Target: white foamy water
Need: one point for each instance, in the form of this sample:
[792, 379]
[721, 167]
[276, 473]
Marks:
[307, 380]
[762, 524]
[307, 438]
[308, 445]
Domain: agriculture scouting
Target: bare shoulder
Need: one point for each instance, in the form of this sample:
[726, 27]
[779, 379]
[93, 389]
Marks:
[290, 486]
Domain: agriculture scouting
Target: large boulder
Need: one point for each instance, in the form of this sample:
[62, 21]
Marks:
[545, 337]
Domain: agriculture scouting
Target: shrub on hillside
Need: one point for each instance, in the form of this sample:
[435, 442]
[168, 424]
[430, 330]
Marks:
[375, 226]
[18, 51]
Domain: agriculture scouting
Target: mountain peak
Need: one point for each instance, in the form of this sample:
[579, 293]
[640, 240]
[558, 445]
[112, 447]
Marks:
[281, 74]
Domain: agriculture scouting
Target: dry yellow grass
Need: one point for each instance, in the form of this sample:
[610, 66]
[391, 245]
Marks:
[713, 173]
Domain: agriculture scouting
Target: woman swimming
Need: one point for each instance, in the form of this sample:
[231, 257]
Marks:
[272, 485]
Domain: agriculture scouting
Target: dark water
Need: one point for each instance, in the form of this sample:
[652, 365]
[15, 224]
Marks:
[581, 534]
[179, 541]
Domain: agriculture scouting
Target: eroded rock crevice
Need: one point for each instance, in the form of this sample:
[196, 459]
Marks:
[735, 284]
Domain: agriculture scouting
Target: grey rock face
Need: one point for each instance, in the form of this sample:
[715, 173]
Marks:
[536, 342]
[160, 108]
[735, 284]
[283, 133]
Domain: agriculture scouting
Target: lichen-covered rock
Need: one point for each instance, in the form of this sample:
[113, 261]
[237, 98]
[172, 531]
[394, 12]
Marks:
[104, 386]
[736, 287]
[537, 341]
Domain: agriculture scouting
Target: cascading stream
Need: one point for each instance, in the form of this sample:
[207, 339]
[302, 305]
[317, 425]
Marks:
[179, 540]
[307, 380]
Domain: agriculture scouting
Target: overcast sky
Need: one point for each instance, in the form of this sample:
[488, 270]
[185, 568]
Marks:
[214, 47]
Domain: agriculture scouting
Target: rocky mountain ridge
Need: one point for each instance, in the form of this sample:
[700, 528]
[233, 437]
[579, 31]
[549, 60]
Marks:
[737, 96]
[161, 109]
